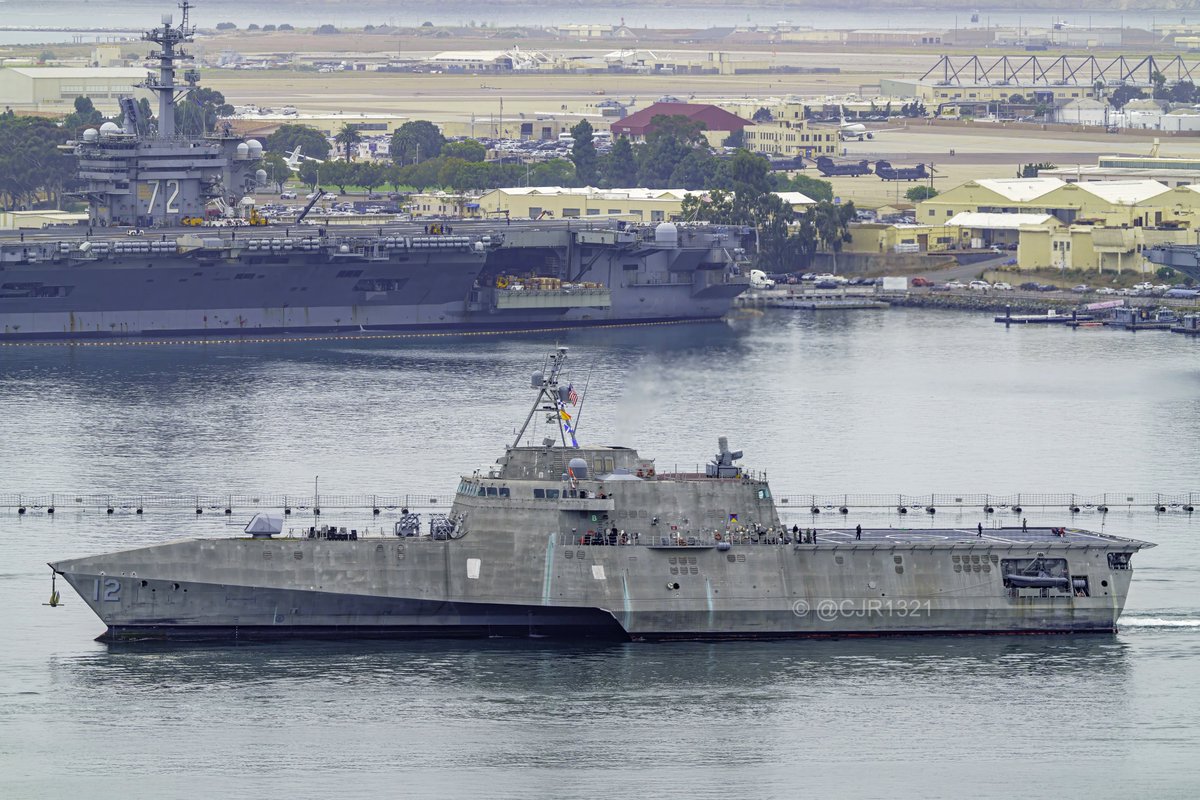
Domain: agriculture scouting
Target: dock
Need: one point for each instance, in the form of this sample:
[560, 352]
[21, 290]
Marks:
[853, 299]
[1049, 318]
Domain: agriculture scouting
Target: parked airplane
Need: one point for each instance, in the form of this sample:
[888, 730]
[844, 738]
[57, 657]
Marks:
[294, 159]
[856, 130]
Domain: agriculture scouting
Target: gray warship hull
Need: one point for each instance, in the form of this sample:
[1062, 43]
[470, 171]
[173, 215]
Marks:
[562, 540]
[184, 272]
[303, 280]
[888, 583]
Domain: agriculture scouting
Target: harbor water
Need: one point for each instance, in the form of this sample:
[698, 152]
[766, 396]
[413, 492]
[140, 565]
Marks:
[869, 402]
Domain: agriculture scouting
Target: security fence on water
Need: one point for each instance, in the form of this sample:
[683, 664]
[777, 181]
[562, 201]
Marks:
[387, 504]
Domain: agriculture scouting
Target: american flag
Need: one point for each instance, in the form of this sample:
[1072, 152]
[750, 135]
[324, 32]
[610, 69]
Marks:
[572, 395]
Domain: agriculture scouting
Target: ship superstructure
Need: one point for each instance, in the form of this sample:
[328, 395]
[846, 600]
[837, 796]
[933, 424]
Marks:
[152, 174]
[178, 275]
[577, 540]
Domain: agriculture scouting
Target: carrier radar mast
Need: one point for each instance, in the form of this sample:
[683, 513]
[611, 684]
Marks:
[163, 84]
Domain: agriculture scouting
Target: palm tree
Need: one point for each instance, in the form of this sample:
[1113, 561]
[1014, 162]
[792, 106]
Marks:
[349, 138]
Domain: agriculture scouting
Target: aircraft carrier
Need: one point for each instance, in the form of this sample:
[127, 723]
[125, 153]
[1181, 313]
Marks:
[178, 276]
[562, 539]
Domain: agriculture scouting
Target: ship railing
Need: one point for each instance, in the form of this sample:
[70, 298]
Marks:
[991, 503]
[660, 539]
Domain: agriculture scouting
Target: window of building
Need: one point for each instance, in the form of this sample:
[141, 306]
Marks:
[570, 213]
[657, 216]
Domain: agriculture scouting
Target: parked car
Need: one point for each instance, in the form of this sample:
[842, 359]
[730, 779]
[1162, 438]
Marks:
[1030, 286]
[1082, 288]
[955, 285]
[919, 281]
[1047, 287]
[1001, 286]
[287, 195]
[1106, 290]
[979, 286]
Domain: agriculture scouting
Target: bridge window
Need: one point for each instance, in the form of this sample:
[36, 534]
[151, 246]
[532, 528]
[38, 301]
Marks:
[539, 494]
[552, 494]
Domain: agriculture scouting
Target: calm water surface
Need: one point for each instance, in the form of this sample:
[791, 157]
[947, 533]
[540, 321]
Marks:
[912, 401]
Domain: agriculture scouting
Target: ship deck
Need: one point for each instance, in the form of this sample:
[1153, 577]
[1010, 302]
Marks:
[970, 535]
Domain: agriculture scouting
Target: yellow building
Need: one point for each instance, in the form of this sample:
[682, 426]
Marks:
[1089, 247]
[442, 204]
[933, 93]
[636, 205]
[1135, 203]
[54, 89]
[327, 124]
[882, 237]
[791, 139]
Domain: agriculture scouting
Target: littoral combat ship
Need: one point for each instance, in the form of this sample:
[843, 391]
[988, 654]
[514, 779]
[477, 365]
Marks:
[180, 275]
[559, 539]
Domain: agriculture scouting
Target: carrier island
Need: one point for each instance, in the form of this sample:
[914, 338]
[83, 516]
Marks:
[573, 540]
[176, 277]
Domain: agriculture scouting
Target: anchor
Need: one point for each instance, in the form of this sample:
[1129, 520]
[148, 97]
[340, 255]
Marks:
[55, 599]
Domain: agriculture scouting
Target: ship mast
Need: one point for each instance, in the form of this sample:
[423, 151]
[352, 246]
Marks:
[163, 84]
[551, 398]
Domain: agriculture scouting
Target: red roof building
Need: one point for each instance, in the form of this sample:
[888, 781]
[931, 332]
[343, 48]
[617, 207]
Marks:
[638, 124]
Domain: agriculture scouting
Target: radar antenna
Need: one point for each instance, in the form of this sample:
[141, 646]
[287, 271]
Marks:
[551, 398]
[163, 84]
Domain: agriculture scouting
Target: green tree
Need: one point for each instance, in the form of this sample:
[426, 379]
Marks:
[747, 176]
[278, 172]
[338, 173]
[668, 142]
[583, 153]
[287, 138]
[555, 172]
[620, 165]
[1182, 92]
[695, 171]
[372, 175]
[1160, 81]
[84, 116]
[349, 138]
[808, 186]
[831, 224]
[466, 149]
[416, 141]
[763, 114]
[1123, 94]
[199, 111]
[310, 174]
[919, 193]
[32, 168]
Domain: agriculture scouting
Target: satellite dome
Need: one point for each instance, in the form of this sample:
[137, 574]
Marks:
[91, 135]
[247, 201]
[243, 150]
[260, 177]
[579, 468]
[110, 127]
[666, 233]
[256, 149]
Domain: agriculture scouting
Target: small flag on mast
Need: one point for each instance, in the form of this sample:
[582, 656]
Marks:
[572, 395]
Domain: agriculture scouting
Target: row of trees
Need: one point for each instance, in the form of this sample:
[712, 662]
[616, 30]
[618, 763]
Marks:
[32, 167]
[785, 238]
